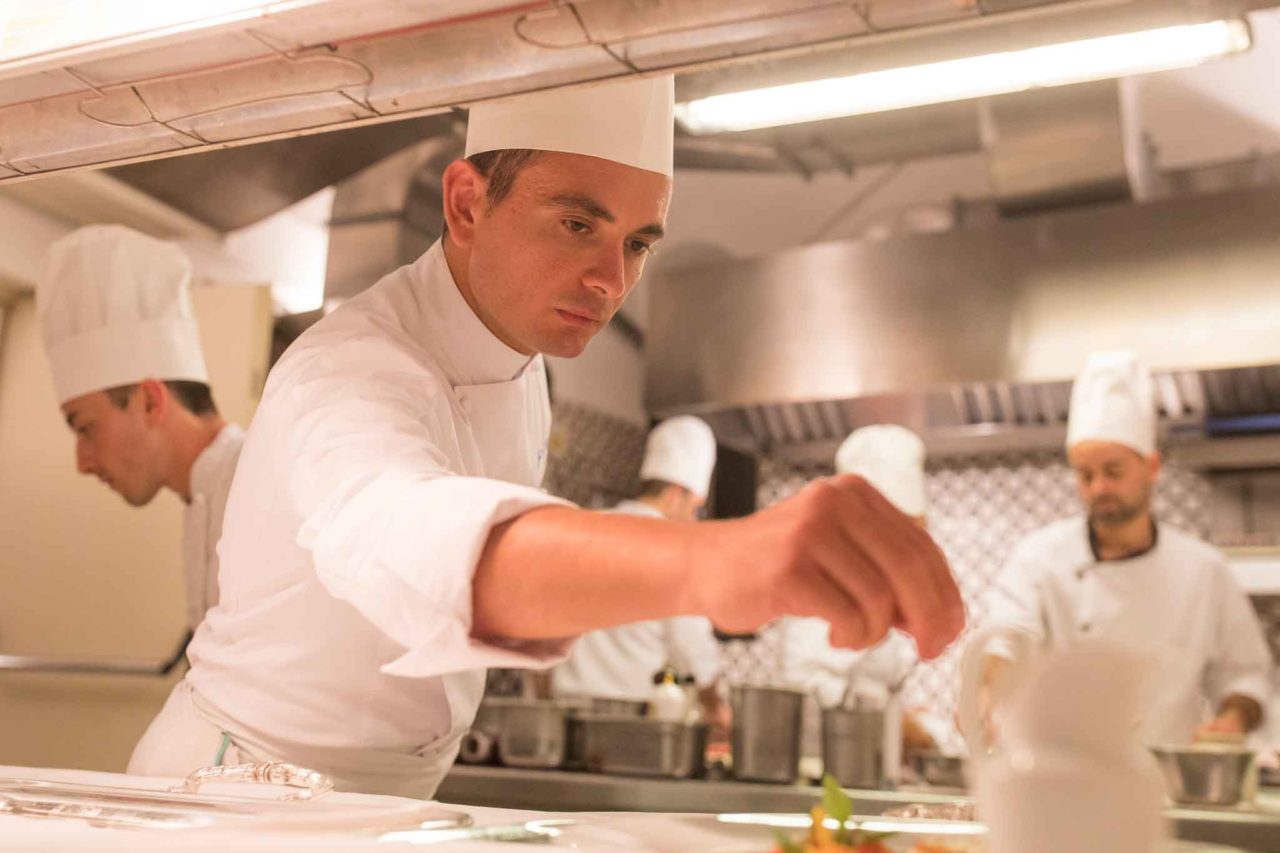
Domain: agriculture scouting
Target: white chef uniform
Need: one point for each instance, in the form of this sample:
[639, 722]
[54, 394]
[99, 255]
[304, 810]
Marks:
[1179, 599]
[202, 519]
[390, 440]
[391, 437]
[619, 663]
[115, 309]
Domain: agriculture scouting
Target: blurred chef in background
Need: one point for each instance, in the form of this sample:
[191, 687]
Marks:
[124, 350]
[621, 662]
[890, 458]
[1119, 574]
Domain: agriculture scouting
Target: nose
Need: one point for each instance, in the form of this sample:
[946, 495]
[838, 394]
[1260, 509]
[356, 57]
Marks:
[608, 275]
[85, 462]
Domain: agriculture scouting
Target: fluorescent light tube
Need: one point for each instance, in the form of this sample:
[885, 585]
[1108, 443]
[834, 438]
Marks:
[971, 77]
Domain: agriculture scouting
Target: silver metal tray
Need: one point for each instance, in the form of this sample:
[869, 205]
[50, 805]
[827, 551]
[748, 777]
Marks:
[632, 746]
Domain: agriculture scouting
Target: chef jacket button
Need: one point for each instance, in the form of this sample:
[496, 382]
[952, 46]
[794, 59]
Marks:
[1085, 627]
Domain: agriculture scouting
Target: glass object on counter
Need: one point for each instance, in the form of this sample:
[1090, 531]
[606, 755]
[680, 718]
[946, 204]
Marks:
[256, 808]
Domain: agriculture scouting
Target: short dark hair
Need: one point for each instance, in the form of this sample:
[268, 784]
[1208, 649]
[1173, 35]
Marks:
[195, 397]
[501, 168]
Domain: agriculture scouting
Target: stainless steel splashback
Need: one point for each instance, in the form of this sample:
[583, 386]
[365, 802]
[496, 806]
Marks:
[977, 326]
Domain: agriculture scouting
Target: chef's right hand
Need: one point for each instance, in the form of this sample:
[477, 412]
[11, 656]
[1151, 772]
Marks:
[837, 550]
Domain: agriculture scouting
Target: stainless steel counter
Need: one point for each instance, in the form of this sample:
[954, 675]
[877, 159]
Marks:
[1251, 828]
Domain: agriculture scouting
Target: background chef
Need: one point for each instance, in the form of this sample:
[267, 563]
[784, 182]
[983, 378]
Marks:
[891, 458]
[386, 539]
[125, 354]
[620, 662]
[1118, 573]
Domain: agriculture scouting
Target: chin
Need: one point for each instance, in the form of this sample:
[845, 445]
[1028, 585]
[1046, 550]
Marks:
[565, 346]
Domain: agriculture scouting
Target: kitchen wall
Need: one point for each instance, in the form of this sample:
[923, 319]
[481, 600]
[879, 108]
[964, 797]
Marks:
[82, 573]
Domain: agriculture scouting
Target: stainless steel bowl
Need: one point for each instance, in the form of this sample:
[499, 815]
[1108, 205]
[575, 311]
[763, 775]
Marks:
[1204, 775]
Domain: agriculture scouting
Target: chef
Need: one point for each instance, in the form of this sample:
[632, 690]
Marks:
[124, 351]
[620, 662]
[1121, 574]
[891, 459]
[386, 539]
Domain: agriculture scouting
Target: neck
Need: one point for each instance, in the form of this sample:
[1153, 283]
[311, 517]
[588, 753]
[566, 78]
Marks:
[457, 260]
[1117, 541]
[190, 436]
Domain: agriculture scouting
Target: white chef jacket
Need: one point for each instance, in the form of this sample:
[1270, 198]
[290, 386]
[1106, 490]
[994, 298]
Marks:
[619, 662]
[1178, 600]
[202, 520]
[391, 438]
[809, 661]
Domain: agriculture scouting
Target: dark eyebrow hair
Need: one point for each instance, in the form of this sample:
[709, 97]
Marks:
[71, 419]
[591, 207]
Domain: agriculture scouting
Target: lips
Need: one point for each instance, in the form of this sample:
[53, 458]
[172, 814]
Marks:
[579, 318]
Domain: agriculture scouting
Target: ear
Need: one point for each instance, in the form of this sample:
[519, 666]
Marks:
[464, 200]
[156, 399]
[1154, 463]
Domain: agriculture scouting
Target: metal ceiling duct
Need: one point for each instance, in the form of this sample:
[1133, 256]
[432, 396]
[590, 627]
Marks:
[310, 67]
[1064, 146]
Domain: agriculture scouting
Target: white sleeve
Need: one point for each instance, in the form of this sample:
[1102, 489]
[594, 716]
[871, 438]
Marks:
[1014, 599]
[391, 529]
[1241, 662]
[693, 648]
[810, 662]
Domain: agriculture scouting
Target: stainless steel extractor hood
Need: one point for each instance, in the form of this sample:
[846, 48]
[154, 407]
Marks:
[978, 329]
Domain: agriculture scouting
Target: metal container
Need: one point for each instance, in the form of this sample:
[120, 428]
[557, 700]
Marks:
[853, 746]
[479, 746]
[605, 706]
[934, 768]
[630, 746]
[1204, 776]
[766, 733]
[534, 734]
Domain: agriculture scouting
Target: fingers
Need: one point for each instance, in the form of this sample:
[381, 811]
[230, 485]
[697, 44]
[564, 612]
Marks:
[848, 569]
[928, 601]
[817, 595]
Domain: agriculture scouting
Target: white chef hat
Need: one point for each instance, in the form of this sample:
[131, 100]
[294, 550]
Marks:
[890, 458]
[114, 310]
[630, 122]
[681, 450]
[1113, 400]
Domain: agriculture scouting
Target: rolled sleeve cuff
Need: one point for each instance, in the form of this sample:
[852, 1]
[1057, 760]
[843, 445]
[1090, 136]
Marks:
[403, 552]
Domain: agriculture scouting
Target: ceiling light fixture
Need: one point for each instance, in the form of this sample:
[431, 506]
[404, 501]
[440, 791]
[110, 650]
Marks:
[999, 73]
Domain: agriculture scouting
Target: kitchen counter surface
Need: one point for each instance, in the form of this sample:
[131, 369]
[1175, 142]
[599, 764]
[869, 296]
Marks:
[1255, 827]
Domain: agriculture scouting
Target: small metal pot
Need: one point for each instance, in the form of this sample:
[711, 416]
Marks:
[766, 733]
[853, 746]
[1204, 776]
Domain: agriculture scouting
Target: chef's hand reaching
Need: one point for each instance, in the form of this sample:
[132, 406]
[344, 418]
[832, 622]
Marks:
[1237, 716]
[837, 550]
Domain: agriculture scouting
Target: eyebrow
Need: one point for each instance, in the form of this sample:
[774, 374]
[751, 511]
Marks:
[71, 420]
[591, 207]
